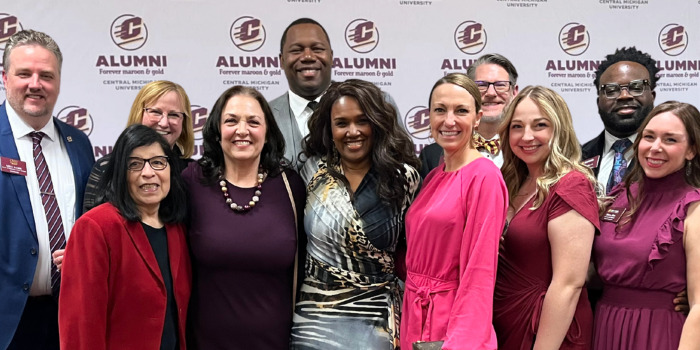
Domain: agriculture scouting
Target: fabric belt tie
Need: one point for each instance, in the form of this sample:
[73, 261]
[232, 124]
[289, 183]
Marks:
[637, 298]
[424, 300]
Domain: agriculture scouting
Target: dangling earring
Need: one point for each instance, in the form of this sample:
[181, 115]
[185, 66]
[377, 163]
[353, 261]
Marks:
[688, 168]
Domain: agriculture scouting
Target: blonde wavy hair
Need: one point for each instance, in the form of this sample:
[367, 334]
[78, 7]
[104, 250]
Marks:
[565, 153]
[150, 93]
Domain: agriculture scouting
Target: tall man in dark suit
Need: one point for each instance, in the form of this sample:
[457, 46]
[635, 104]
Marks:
[625, 82]
[45, 165]
[306, 58]
[497, 80]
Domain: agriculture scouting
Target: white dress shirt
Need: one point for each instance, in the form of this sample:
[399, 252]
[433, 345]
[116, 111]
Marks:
[301, 111]
[59, 165]
[607, 159]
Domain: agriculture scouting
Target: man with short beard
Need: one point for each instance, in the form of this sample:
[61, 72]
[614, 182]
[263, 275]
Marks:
[497, 79]
[625, 82]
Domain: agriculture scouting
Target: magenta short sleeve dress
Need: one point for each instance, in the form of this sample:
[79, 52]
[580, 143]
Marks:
[643, 267]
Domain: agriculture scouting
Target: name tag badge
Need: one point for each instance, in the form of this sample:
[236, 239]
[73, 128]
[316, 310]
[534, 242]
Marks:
[592, 162]
[13, 166]
[613, 214]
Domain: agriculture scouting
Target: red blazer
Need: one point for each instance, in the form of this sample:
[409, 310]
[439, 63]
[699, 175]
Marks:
[112, 292]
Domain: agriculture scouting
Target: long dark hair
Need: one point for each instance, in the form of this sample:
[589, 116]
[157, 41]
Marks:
[690, 117]
[113, 186]
[212, 161]
[391, 145]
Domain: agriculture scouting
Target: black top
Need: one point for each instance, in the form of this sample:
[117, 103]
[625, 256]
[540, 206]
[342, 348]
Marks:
[159, 242]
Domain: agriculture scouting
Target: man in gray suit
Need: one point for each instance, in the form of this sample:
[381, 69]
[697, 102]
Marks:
[307, 58]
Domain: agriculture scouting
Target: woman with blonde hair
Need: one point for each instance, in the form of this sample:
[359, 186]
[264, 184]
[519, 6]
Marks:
[164, 107]
[650, 251]
[539, 301]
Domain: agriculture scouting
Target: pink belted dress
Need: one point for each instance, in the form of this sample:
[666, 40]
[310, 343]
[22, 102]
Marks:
[452, 233]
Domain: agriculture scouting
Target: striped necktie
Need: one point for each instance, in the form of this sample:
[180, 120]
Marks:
[57, 238]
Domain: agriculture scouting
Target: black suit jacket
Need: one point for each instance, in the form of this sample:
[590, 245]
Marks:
[429, 157]
[594, 148]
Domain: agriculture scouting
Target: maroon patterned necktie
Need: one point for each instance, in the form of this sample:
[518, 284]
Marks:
[57, 238]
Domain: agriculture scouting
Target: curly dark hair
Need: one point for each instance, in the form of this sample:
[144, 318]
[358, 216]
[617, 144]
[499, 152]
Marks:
[629, 54]
[212, 161]
[392, 147]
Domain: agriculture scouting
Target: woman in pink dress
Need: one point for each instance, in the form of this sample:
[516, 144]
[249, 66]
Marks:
[453, 229]
[540, 302]
[651, 251]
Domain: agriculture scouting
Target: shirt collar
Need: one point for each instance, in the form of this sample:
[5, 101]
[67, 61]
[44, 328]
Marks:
[297, 103]
[20, 129]
[610, 139]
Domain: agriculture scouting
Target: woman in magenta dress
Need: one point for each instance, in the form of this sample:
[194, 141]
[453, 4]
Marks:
[539, 300]
[653, 251]
[453, 229]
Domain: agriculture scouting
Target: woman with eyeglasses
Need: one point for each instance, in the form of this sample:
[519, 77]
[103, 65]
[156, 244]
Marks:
[127, 282]
[649, 244]
[164, 107]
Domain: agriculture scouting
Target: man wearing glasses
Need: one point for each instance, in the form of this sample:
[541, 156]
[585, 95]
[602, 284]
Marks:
[625, 81]
[496, 78]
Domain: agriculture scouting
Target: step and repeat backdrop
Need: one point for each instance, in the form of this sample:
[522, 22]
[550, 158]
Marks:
[111, 49]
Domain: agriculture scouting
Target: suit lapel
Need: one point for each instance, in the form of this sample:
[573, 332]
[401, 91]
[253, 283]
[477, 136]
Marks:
[19, 183]
[174, 249]
[76, 164]
[143, 246]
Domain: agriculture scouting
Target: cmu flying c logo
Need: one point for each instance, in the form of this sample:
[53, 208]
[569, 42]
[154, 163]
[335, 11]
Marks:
[361, 35]
[673, 39]
[77, 117]
[9, 25]
[129, 32]
[199, 118]
[247, 33]
[470, 37]
[574, 39]
[417, 122]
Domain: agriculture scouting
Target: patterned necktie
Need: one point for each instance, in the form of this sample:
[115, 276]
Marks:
[619, 165]
[53, 214]
[313, 105]
[491, 146]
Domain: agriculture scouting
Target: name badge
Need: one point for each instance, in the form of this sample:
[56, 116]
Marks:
[613, 214]
[592, 162]
[13, 166]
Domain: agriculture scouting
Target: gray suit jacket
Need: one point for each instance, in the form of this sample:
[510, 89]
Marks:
[290, 129]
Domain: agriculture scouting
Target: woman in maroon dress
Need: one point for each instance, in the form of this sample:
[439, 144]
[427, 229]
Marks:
[650, 253]
[539, 300]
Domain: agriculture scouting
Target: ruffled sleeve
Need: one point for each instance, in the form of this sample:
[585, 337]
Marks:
[574, 192]
[672, 229]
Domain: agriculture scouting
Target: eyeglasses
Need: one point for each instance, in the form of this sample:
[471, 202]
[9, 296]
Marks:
[157, 163]
[634, 88]
[157, 114]
[499, 86]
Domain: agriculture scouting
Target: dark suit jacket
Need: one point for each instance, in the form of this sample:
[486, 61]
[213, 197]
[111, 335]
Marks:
[594, 148]
[112, 291]
[290, 129]
[19, 246]
[429, 158]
